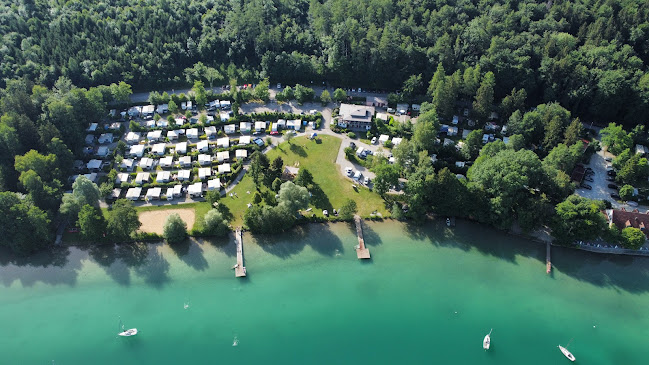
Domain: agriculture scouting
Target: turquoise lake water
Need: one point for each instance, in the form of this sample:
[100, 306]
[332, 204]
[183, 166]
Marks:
[429, 295]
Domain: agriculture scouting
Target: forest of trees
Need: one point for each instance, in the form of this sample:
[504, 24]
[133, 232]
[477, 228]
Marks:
[591, 56]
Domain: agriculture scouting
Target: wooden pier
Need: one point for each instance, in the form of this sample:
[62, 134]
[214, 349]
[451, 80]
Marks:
[361, 251]
[239, 269]
[548, 263]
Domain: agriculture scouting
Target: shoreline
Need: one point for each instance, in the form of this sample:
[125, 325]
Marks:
[146, 237]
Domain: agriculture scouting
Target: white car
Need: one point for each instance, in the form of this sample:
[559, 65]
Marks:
[391, 110]
[366, 181]
[279, 86]
[349, 171]
[632, 203]
[374, 140]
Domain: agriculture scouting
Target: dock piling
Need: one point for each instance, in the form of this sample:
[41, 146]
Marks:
[548, 263]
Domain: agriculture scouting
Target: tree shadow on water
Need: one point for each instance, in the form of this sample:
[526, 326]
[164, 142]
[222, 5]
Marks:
[191, 253]
[58, 265]
[370, 236]
[107, 256]
[292, 242]
[224, 244]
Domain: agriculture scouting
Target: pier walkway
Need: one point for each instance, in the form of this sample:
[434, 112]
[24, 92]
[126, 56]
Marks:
[239, 269]
[361, 251]
[548, 263]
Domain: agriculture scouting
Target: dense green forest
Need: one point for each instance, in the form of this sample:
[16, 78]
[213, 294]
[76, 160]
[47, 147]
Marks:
[591, 56]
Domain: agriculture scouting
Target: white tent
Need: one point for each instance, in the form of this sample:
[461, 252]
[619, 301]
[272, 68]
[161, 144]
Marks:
[396, 141]
[163, 176]
[185, 161]
[158, 149]
[204, 172]
[243, 140]
[172, 135]
[223, 156]
[245, 127]
[133, 193]
[210, 131]
[136, 151]
[192, 133]
[223, 142]
[383, 138]
[204, 159]
[241, 154]
[154, 135]
[153, 193]
[167, 161]
[225, 168]
[213, 184]
[184, 175]
[122, 178]
[142, 177]
[146, 163]
[133, 137]
[195, 189]
[229, 128]
[203, 146]
[181, 147]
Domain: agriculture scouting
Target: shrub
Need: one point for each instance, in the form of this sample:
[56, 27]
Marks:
[351, 135]
[215, 224]
[175, 229]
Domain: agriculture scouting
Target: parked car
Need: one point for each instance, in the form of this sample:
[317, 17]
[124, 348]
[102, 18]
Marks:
[632, 203]
[586, 186]
[279, 86]
[608, 159]
[611, 173]
[349, 171]
[366, 181]
[259, 142]
[357, 176]
[612, 186]
[589, 179]
[391, 110]
[615, 196]
[610, 178]
[352, 145]
[374, 140]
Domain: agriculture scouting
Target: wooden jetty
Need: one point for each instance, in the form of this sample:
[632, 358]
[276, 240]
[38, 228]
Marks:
[361, 251]
[548, 263]
[239, 269]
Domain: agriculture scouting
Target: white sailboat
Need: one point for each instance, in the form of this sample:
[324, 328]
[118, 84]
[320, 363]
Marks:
[567, 353]
[487, 341]
[126, 333]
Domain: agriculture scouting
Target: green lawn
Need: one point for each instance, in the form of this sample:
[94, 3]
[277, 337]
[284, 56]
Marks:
[332, 188]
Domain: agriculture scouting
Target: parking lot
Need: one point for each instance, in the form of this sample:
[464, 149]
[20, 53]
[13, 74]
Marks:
[600, 189]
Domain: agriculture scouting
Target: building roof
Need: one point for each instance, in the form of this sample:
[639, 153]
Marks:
[229, 128]
[133, 193]
[204, 172]
[223, 142]
[203, 145]
[158, 149]
[382, 116]
[244, 140]
[93, 164]
[356, 113]
[224, 168]
[148, 109]
[384, 138]
[260, 125]
[146, 163]
[290, 170]
[204, 159]
[185, 160]
[224, 155]
[92, 127]
[142, 177]
[213, 184]
[127, 163]
[622, 219]
[154, 135]
[167, 161]
[153, 193]
[241, 153]
[396, 141]
[195, 188]
[122, 178]
[192, 133]
[181, 147]
[172, 135]
[163, 176]
[210, 131]
[184, 174]
[245, 126]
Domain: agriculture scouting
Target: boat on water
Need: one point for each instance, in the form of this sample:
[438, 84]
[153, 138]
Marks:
[487, 341]
[567, 353]
[128, 333]
[448, 222]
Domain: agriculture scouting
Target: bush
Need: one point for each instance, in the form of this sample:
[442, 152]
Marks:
[215, 224]
[351, 135]
[175, 229]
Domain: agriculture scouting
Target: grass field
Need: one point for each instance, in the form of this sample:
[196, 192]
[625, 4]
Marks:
[331, 188]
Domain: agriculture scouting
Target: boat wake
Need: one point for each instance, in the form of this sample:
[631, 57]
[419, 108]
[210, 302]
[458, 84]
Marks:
[235, 342]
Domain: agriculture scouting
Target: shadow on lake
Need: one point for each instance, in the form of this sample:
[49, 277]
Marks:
[55, 266]
[318, 236]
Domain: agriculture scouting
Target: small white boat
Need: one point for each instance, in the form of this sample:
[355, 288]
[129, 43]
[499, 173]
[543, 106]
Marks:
[448, 222]
[567, 353]
[487, 341]
[128, 333]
